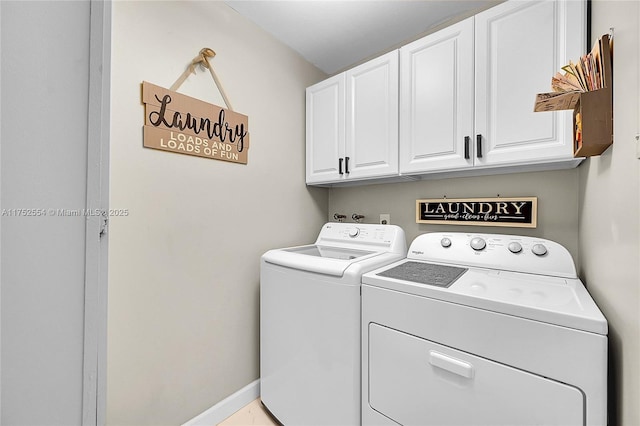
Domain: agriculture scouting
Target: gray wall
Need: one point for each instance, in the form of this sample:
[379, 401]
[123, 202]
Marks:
[609, 213]
[556, 192]
[183, 330]
[45, 54]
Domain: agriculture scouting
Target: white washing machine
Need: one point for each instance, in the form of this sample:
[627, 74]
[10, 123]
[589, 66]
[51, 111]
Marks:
[310, 322]
[480, 329]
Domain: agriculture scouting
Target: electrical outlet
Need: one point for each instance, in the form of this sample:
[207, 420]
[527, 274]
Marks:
[385, 219]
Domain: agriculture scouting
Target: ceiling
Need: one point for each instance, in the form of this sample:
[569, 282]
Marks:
[333, 34]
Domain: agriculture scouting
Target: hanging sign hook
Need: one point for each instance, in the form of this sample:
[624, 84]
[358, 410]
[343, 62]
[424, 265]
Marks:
[203, 60]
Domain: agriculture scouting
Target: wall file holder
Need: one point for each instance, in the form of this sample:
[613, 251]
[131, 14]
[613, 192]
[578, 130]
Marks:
[592, 110]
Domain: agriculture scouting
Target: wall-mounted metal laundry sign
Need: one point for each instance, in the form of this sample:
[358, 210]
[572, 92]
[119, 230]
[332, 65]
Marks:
[178, 123]
[521, 212]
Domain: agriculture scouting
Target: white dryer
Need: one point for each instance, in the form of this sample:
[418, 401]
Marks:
[310, 322]
[481, 329]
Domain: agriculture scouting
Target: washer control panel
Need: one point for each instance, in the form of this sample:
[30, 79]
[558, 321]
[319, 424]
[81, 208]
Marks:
[364, 236]
[495, 251]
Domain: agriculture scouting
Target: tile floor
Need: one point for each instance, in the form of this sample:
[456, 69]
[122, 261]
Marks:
[253, 414]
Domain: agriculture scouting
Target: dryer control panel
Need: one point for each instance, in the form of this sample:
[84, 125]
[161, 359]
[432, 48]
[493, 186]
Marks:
[495, 251]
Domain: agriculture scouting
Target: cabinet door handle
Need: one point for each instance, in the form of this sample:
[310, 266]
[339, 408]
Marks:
[467, 140]
[479, 146]
[340, 160]
[346, 165]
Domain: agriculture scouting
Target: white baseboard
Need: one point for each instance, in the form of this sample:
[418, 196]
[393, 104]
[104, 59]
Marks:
[227, 406]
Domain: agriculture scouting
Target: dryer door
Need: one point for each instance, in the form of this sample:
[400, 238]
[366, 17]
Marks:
[415, 381]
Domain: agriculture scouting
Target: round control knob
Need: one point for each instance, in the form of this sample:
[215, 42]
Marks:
[353, 232]
[539, 249]
[515, 247]
[445, 242]
[478, 244]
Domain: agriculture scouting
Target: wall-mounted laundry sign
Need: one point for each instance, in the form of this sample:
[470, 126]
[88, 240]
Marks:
[178, 123]
[518, 212]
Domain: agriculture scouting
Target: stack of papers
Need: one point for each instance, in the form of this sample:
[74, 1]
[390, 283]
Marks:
[585, 76]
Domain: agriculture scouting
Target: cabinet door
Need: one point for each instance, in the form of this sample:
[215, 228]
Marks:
[371, 148]
[436, 100]
[325, 130]
[519, 47]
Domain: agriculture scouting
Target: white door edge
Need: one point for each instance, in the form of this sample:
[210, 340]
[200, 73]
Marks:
[95, 311]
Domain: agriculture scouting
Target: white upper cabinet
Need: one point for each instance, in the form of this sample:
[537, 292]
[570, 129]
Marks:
[436, 100]
[467, 92]
[372, 118]
[456, 102]
[519, 47]
[325, 129]
[352, 124]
